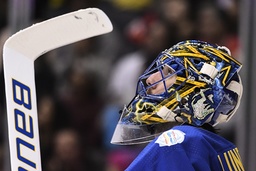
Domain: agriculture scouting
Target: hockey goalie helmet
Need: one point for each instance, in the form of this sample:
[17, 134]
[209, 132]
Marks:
[193, 82]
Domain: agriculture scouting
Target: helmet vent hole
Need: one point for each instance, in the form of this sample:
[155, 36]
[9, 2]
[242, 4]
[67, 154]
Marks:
[149, 110]
[200, 46]
[197, 90]
[218, 60]
[183, 101]
[196, 61]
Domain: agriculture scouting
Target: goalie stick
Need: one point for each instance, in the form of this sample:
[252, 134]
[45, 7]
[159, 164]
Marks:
[19, 53]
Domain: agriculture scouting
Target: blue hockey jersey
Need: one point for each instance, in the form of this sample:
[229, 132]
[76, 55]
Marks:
[188, 148]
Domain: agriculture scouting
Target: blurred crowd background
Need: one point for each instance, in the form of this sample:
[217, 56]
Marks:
[81, 87]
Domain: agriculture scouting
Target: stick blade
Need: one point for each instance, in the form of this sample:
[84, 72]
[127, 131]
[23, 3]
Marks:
[59, 31]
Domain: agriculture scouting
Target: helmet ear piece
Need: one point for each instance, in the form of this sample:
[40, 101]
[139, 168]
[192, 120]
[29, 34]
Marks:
[235, 86]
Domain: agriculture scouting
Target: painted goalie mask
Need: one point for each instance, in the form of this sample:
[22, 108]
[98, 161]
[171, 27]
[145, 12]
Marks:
[193, 82]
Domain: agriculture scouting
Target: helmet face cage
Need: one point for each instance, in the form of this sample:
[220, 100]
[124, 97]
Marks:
[168, 67]
[194, 77]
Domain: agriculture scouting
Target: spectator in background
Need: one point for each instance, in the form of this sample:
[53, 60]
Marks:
[213, 25]
[3, 14]
[178, 15]
[81, 102]
[119, 160]
[67, 152]
[46, 119]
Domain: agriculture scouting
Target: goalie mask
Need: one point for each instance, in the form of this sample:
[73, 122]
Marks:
[193, 82]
